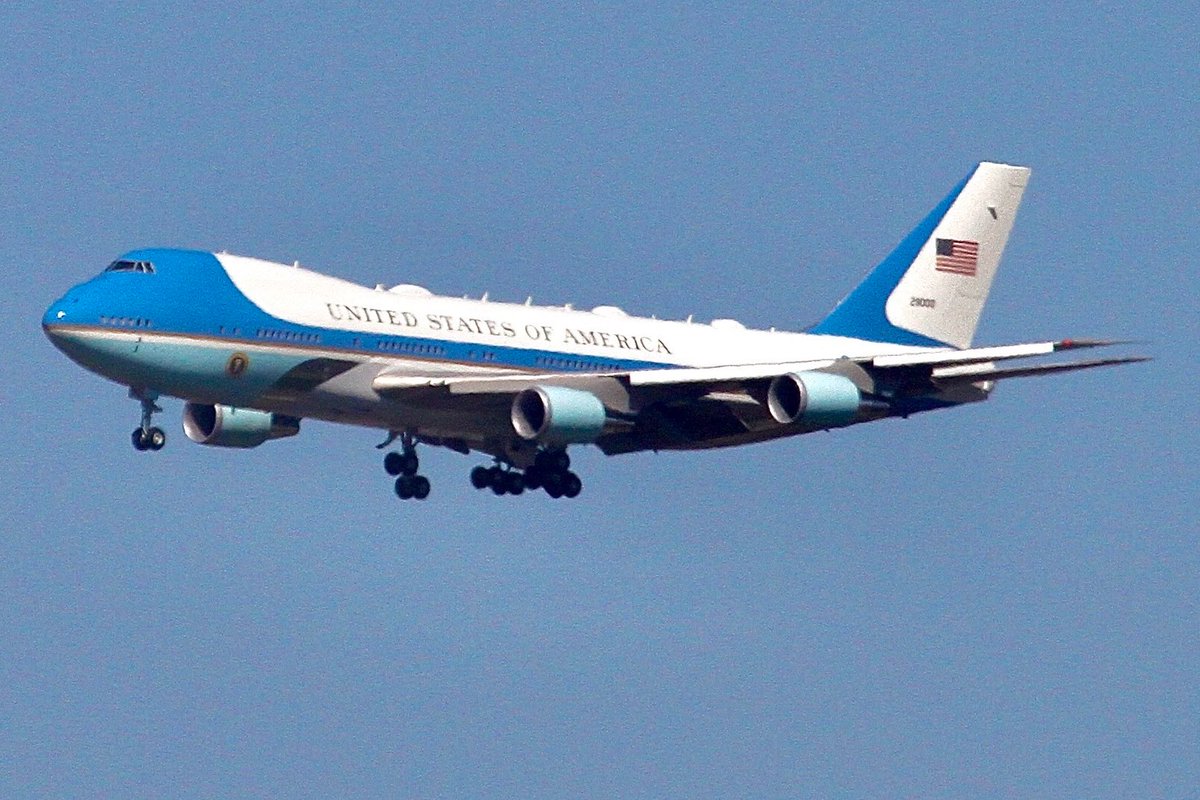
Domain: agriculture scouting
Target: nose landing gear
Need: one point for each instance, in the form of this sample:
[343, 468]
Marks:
[147, 436]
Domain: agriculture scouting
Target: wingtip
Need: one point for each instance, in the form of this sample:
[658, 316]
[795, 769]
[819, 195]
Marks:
[1082, 344]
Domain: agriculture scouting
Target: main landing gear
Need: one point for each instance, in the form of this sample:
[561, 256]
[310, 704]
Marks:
[404, 465]
[147, 436]
[551, 472]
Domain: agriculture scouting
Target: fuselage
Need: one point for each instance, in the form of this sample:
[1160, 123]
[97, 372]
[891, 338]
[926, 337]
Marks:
[225, 329]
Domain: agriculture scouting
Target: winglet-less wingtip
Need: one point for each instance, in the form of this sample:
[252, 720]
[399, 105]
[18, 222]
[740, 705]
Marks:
[1081, 344]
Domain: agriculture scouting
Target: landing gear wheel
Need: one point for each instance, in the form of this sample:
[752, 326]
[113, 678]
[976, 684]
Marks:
[138, 437]
[412, 487]
[552, 482]
[533, 478]
[498, 481]
[420, 487]
[404, 487]
[514, 482]
[481, 477]
[155, 439]
[572, 486]
[405, 463]
[552, 461]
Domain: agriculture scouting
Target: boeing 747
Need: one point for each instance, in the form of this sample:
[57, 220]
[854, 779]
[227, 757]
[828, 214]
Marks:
[255, 347]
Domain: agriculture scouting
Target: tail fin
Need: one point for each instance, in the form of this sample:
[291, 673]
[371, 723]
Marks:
[931, 289]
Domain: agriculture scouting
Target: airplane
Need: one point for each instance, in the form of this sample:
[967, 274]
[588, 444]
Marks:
[253, 347]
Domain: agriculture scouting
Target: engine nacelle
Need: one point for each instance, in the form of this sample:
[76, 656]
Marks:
[225, 426]
[557, 415]
[814, 398]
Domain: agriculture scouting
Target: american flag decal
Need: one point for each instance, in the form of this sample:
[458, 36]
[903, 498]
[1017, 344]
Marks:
[958, 256]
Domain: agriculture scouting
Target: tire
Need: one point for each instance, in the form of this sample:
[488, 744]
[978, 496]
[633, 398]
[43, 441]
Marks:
[420, 487]
[514, 482]
[138, 437]
[409, 463]
[572, 486]
[404, 488]
[157, 439]
[481, 477]
[553, 461]
[533, 478]
[391, 464]
[553, 484]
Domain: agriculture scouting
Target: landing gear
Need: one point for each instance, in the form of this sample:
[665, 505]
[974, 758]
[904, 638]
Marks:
[412, 487]
[404, 466]
[550, 472]
[405, 463]
[500, 480]
[148, 439]
[147, 436]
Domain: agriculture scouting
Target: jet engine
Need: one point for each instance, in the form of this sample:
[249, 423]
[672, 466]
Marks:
[556, 415]
[225, 426]
[818, 399]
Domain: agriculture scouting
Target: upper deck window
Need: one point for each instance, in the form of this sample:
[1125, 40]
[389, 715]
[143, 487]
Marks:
[131, 266]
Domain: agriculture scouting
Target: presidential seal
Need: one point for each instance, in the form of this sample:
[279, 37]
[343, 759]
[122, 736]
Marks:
[238, 362]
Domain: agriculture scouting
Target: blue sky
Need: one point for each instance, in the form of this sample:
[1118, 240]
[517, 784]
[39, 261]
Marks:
[999, 601]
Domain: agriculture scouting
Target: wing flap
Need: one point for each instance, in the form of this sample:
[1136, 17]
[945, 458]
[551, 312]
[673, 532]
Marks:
[976, 355]
[718, 375]
[396, 383]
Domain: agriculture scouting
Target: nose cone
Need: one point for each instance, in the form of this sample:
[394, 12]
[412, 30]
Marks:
[54, 319]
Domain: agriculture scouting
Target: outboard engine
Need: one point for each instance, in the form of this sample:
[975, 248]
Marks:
[225, 426]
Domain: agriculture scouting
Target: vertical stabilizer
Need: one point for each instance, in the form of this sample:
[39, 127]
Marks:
[931, 289]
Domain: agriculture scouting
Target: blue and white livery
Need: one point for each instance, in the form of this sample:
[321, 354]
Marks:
[254, 347]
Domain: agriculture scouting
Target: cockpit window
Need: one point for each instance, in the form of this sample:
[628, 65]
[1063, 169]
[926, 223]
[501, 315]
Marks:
[130, 266]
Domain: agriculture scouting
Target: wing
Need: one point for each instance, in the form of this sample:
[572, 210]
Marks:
[675, 408]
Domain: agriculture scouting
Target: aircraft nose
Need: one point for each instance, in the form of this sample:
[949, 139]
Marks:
[53, 317]
[57, 315]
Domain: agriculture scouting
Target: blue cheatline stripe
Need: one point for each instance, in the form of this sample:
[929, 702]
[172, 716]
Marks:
[190, 293]
[862, 314]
